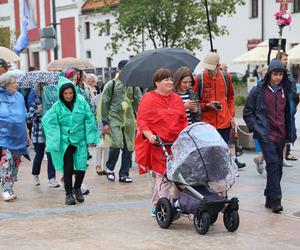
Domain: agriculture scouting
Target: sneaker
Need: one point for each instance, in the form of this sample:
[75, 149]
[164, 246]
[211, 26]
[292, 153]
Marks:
[53, 183]
[125, 179]
[62, 184]
[36, 180]
[286, 164]
[239, 164]
[260, 166]
[110, 176]
[153, 212]
[70, 200]
[8, 195]
[84, 189]
[78, 194]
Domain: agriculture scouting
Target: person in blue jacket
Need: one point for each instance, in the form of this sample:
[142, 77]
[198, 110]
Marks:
[268, 113]
[14, 136]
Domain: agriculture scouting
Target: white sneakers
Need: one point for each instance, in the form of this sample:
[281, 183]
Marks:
[36, 180]
[8, 195]
[260, 165]
[53, 183]
[286, 163]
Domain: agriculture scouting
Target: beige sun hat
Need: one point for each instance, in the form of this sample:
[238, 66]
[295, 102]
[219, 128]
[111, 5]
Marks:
[211, 61]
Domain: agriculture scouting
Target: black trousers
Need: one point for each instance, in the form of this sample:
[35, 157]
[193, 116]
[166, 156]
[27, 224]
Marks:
[69, 171]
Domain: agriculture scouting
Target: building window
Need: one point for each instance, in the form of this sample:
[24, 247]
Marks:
[108, 62]
[87, 30]
[36, 60]
[107, 27]
[254, 8]
[296, 5]
[88, 54]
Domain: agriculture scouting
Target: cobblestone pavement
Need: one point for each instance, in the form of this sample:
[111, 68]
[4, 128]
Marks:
[117, 216]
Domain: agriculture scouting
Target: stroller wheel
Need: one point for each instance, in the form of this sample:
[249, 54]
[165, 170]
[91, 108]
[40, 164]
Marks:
[213, 218]
[231, 220]
[164, 213]
[201, 222]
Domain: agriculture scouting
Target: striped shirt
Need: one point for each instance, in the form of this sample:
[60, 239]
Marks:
[185, 97]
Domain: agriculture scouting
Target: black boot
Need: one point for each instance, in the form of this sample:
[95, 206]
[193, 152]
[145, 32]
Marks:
[268, 202]
[276, 206]
[78, 194]
[70, 200]
[239, 164]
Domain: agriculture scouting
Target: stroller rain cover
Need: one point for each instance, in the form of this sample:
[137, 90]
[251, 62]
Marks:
[202, 157]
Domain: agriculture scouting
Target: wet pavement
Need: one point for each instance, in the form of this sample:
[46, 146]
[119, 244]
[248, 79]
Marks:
[117, 216]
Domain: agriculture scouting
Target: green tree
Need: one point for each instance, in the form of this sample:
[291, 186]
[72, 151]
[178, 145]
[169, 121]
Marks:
[166, 23]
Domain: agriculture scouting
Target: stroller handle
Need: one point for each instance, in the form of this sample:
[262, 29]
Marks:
[159, 142]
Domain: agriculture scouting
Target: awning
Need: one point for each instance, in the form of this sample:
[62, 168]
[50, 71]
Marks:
[258, 55]
[294, 55]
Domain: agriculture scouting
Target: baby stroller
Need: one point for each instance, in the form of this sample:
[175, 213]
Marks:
[200, 167]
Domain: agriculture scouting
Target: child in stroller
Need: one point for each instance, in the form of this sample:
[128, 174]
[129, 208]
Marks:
[201, 171]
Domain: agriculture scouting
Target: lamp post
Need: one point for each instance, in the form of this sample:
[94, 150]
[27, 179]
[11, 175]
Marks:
[208, 26]
[55, 28]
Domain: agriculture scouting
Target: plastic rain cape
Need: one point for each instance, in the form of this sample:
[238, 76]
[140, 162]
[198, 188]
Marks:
[202, 157]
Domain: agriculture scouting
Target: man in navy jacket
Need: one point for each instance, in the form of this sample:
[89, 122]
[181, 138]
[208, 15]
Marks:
[268, 114]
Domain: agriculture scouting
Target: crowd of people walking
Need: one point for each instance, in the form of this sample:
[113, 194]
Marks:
[77, 120]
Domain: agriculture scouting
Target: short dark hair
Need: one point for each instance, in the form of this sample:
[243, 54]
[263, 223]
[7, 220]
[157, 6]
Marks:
[278, 71]
[181, 73]
[160, 74]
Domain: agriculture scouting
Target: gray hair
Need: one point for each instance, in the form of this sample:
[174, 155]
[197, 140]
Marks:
[93, 76]
[6, 79]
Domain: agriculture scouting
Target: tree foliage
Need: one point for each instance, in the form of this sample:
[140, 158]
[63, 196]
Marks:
[166, 23]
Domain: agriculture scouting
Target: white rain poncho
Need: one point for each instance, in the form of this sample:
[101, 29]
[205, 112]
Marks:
[202, 157]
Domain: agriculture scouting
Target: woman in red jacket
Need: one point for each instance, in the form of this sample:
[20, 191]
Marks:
[161, 112]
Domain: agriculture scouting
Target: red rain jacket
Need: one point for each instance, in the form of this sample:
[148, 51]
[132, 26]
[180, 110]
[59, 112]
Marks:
[164, 116]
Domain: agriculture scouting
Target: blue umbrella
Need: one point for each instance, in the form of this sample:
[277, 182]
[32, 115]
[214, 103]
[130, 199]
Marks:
[140, 69]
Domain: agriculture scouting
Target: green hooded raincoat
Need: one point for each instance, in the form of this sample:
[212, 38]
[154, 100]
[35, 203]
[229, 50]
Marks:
[63, 127]
[118, 108]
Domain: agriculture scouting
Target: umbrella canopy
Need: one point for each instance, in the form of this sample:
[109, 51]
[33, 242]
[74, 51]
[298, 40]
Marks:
[294, 55]
[69, 62]
[258, 55]
[140, 69]
[8, 55]
[30, 79]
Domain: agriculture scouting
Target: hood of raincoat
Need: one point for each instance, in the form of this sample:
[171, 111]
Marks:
[13, 122]
[63, 84]
[276, 65]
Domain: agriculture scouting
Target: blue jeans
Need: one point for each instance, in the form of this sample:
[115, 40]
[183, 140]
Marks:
[125, 163]
[39, 149]
[273, 156]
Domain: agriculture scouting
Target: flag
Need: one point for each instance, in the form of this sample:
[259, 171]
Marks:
[28, 23]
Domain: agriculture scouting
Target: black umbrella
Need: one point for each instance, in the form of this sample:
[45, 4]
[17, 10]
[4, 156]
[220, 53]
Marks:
[140, 69]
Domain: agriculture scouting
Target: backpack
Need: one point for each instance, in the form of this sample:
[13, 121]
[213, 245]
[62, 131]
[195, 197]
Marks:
[112, 93]
[200, 84]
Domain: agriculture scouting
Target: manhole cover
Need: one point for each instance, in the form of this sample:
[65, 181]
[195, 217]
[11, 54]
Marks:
[297, 214]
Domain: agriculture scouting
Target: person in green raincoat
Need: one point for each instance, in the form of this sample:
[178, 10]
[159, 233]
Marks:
[69, 126]
[119, 105]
